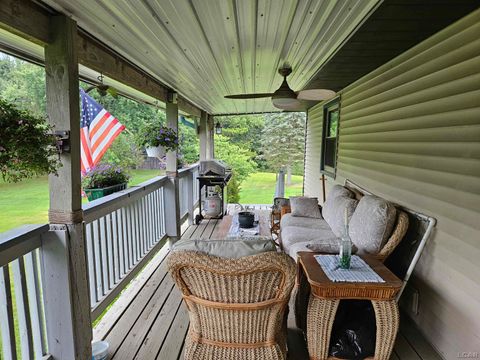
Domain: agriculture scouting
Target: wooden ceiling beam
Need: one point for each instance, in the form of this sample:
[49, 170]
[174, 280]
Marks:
[26, 19]
[31, 21]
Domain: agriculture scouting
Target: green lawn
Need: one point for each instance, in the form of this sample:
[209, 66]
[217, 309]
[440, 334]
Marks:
[26, 202]
[259, 188]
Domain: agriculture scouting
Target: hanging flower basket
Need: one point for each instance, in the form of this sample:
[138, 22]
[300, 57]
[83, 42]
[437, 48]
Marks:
[157, 139]
[104, 180]
[155, 151]
[27, 146]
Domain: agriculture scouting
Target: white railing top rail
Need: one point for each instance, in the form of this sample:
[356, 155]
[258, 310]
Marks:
[185, 171]
[20, 241]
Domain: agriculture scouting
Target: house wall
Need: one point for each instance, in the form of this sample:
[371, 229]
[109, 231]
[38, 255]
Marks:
[410, 132]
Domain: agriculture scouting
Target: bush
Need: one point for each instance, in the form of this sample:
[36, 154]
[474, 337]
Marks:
[103, 176]
[233, 191]
[123, 153]
[26, 148]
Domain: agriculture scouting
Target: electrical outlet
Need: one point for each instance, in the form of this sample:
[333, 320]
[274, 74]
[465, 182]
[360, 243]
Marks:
[410, 300]
[415, 301]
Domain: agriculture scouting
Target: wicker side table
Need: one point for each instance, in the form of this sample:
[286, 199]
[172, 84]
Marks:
[317, 300]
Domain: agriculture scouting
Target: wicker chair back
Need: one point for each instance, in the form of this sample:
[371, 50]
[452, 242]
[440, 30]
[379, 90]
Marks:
[237, 307]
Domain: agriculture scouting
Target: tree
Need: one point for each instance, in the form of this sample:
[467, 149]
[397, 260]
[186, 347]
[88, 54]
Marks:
[283, 142]
[189, 148]
[244, 131]
[239, 159]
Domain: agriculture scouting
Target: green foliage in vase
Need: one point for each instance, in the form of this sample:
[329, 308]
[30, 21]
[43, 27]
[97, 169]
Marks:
[26, 147]
[104, 175]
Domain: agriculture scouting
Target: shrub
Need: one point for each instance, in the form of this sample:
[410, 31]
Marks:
[233, 191]
[123, 152]
[104, 175]
[26, 148]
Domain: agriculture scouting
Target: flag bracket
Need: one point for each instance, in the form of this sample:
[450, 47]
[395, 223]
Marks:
[62, 138]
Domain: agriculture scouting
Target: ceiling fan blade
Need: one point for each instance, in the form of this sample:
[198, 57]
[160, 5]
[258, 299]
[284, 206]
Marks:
[249, 96]
[316, 94]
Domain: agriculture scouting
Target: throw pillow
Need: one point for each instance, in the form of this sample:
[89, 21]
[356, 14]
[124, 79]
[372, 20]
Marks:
[305, 207]
[339, 190]
[334, 212]
[372, 224]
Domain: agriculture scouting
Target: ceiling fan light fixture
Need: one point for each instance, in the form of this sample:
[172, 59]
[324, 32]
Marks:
[285, 97]
[285, 103]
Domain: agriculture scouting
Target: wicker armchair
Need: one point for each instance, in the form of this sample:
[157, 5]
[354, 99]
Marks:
[237, 307]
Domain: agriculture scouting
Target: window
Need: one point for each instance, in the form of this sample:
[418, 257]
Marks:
[331, 118]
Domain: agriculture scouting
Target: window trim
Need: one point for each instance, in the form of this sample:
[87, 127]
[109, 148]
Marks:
[328, 107]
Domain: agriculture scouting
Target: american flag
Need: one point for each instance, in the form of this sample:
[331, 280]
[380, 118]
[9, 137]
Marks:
[98, 129]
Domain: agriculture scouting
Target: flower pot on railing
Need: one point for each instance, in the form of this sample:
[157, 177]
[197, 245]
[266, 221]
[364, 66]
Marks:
[93, 194]
[104, 179]
[155, 151]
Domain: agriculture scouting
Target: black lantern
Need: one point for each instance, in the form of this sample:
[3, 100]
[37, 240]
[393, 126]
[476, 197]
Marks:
[218, 128]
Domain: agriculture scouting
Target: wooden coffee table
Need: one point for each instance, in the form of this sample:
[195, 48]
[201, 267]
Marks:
[222, 229]
[318, 297]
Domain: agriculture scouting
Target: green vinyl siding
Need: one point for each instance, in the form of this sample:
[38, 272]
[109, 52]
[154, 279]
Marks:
[410, 132]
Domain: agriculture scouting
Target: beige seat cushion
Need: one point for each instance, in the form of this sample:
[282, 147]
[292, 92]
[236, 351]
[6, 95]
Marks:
[333, 212]
[227, 248]
[311, 223]
[372, 224]
[302, 206]
[294, 234]
[327, 246]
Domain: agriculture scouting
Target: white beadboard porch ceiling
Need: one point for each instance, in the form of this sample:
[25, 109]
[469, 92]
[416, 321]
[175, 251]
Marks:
[205, 49]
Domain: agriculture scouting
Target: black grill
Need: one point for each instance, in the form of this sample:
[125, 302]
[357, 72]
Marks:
[212, 174]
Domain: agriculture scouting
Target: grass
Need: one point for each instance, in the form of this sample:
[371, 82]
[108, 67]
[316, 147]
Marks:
[259, 188]
[26, 202]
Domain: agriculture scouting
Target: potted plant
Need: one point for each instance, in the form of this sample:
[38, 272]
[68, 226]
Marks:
[27, 147]
[157, 139]
[104, 180]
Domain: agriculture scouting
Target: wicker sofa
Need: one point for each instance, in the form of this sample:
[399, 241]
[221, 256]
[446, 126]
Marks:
[299, 233]
[237, 306]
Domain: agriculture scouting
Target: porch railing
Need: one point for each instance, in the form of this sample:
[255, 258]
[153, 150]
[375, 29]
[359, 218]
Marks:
[123, 229]
[122, 233]
[22, 321]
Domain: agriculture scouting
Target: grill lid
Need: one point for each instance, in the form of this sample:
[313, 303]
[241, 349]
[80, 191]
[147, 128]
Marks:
[214, 167]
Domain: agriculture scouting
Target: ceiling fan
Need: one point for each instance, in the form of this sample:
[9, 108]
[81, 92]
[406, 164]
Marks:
[285, 98]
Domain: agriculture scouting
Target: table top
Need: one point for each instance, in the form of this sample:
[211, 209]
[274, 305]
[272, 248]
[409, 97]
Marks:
[323, 287]
[222, 229]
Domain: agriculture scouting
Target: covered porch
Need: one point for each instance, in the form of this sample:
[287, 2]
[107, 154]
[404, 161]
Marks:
[413, 141]
[150, 320]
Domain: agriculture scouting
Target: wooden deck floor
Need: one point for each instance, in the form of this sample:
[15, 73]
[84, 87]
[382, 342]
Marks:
[149, 320]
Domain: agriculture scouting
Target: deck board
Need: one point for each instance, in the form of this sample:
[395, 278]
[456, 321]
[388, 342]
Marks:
[150, 321]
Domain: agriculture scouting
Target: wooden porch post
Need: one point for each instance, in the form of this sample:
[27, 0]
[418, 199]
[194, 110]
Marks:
[66, 294]
[210, 137]
[203, 136]
[172, 197]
